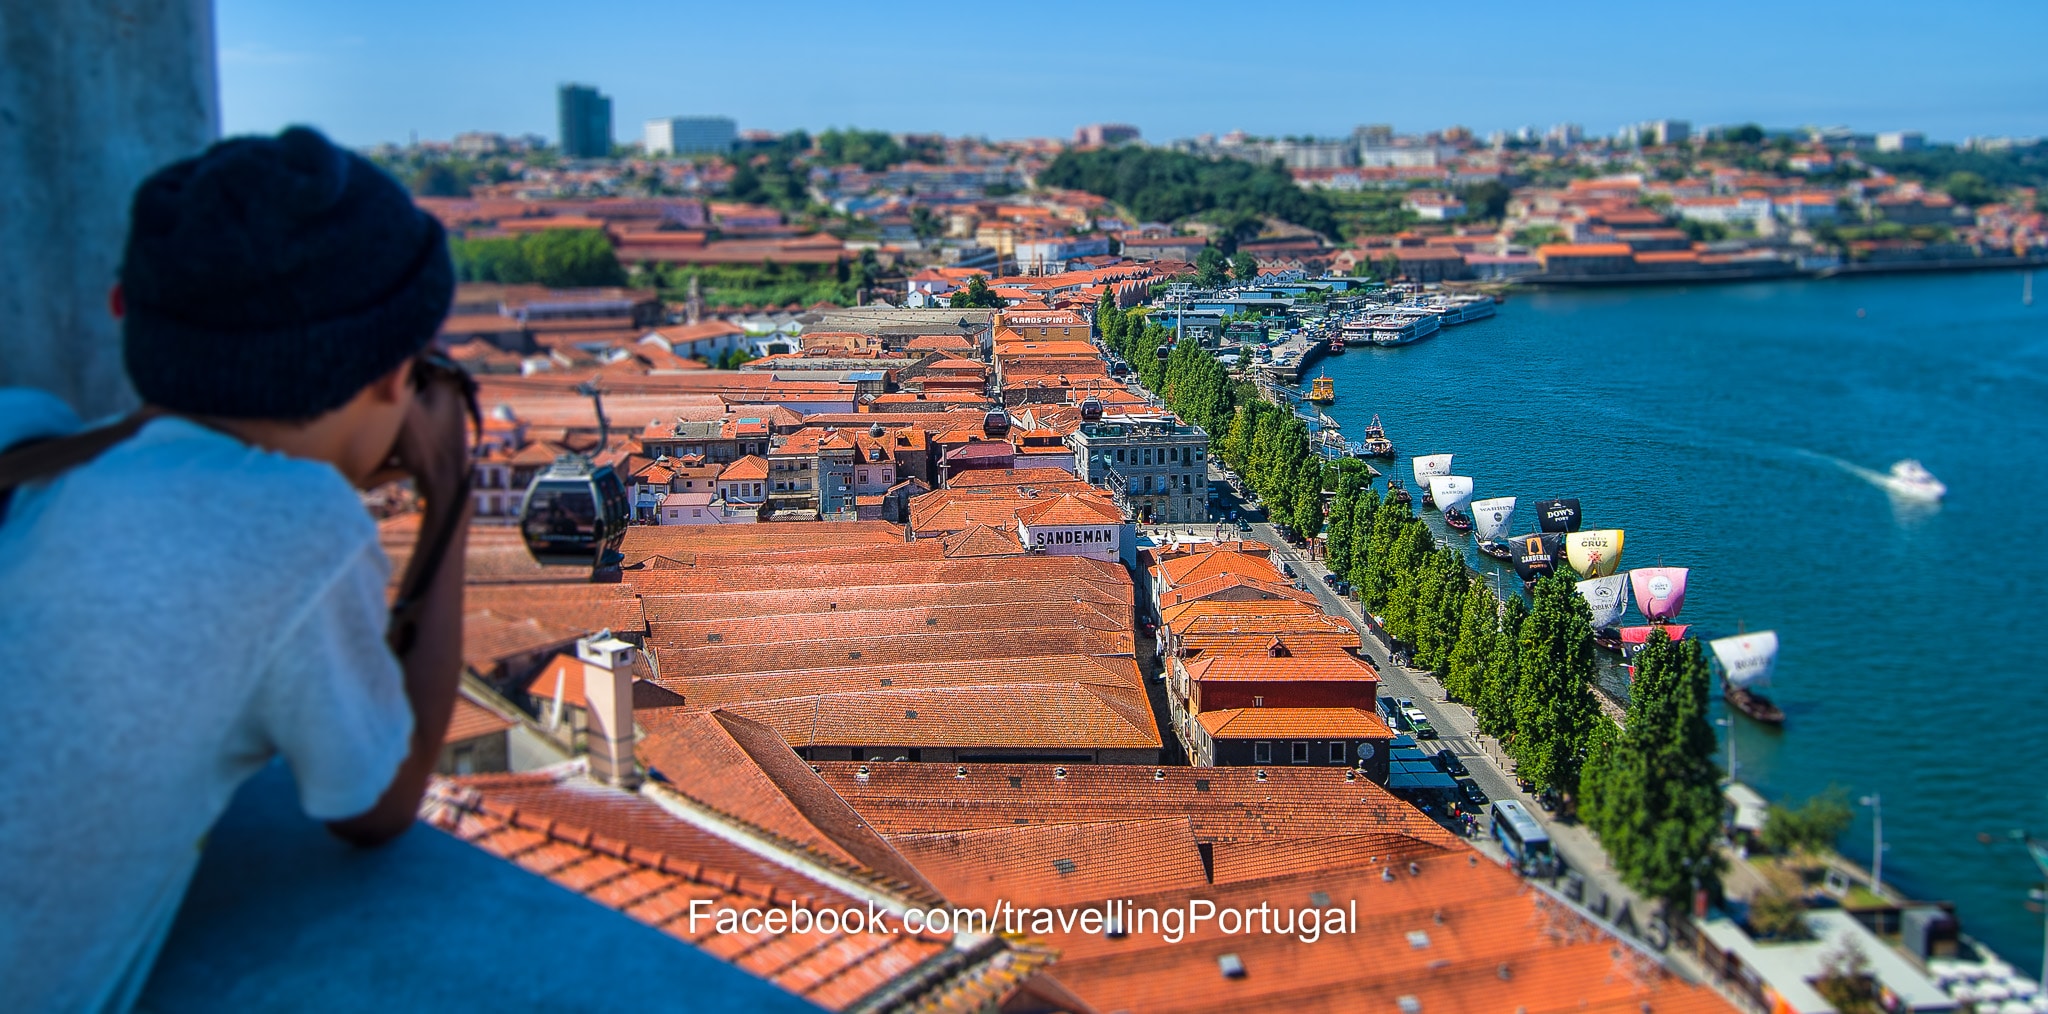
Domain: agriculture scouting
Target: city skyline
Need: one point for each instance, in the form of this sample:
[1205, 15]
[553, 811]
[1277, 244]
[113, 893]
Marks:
[378, 73]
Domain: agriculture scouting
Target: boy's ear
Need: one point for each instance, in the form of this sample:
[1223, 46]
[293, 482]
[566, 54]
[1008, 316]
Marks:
[393, 386]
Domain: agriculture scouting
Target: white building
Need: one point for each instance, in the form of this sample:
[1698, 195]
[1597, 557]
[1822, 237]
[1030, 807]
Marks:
[689, 135]
[1901, 140]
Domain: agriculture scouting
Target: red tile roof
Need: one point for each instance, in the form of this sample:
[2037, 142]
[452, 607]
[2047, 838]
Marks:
[1297, 723]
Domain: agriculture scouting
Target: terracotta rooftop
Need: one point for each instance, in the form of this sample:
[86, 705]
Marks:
[1226, 804]
[544, 824]
[1059, 864]
[489, 639]
[1294, 723]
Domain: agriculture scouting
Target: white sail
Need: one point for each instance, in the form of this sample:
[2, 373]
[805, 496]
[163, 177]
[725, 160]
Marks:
[1428, 465]
[1450, 490]
[1490, 517]
[1747, 659]
[1608, 596]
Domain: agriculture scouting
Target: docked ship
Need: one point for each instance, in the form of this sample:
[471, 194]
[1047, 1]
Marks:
[1402, 326]
[1375, 444]
[1336, 344]
[1463, 309]
[1746, 664]
[1322, 390]
[1456, 520]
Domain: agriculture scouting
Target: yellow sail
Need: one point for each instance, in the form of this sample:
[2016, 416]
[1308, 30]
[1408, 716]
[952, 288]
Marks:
[1594, 554]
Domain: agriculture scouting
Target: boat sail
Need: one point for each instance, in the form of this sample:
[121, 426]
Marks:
[1747, 659]
[1429, 465]
[1490, 517]
[1536, 555]
[1746, 664]
[1633, 638]
[1450, 491]
[1660, 591]
[1608, 597]
[1557, 515]
[1596, 553]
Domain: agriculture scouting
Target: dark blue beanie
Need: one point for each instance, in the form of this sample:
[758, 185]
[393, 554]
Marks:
[274, 278]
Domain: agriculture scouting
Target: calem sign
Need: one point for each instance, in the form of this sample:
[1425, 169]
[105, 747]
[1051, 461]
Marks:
[1073, 540]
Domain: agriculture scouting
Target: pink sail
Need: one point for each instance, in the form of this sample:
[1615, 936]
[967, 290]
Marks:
[1660, 591]
[1641, 635]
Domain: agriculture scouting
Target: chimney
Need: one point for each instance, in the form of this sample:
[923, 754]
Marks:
[608, 686]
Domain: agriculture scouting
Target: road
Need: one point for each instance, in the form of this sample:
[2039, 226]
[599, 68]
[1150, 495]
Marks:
[1455, 724]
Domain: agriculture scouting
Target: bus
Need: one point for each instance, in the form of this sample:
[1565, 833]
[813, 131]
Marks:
[1528, 848]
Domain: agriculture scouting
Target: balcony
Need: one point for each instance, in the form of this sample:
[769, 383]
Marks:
[282, 916]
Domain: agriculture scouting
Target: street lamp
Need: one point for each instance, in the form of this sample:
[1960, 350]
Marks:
[1729, 724]
[1876, 804]
[2038, 850]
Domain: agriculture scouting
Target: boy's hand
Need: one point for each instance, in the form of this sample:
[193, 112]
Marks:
[433, 445]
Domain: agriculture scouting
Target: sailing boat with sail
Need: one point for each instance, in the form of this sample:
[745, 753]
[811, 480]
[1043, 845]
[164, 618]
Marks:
[1450, 492]
[1660, 594]
[1594, 553]
[1746, 664]
[1490, 523]
[1427, 467]
[1608, 598]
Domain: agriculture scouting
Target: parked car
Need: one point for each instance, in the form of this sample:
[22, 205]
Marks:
[1475, 797]
[1330, 579]
[1447, 762]
[1400, 722]
[1387, 709]
[1287, 569]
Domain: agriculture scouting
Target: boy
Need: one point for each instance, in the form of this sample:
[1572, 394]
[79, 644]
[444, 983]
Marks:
[208, 592]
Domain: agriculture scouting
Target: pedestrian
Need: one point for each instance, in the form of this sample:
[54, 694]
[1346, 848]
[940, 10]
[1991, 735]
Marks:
[276, 298]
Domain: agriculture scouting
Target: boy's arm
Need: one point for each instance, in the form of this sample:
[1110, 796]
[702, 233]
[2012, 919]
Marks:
[433, 449]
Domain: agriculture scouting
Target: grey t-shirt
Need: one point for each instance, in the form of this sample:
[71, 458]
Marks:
[172, 616]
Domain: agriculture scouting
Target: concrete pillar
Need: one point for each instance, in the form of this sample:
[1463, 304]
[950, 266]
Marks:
[94, 95]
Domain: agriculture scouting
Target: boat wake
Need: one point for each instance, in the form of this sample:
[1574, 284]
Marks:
[1908, 484]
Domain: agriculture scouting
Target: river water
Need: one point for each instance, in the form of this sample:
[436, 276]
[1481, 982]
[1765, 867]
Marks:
[1738, 430]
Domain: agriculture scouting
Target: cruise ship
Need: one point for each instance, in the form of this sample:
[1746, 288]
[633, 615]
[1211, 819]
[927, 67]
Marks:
[1403, 325]
[1463, 309]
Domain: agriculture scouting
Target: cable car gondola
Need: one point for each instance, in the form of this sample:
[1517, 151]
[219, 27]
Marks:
[575, 512]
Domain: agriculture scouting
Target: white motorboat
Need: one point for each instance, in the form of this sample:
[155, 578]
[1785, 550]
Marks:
[1909, 478]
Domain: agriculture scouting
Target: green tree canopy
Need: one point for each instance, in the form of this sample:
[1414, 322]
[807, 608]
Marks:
[1168, 186]
[1243, 266]
[1554, 705]
[976, 294]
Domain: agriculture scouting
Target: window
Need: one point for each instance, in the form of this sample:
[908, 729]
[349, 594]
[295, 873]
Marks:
[863, 475]
[1258, 702]
[1337, 754]
[696, 512]
[757, 489]
[1119, 455]
[1262, 753]
[1300, 752]
[1148, 455]
[1199, 456]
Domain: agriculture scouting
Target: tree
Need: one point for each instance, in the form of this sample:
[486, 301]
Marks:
[976, 295]
[1969, 189]
[1209, 267]
[436, 179]
[1243, 266]
[1167, 186]
[1501, 677]
[1661, 813]
[572, 258]
[1810, 829]
[1538, 235]
[1608, 794]
[1474, 642]
[1554, 706]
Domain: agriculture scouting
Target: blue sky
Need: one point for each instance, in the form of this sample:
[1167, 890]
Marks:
[381, 70]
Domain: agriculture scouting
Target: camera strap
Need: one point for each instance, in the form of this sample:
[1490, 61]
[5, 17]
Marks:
[42, 458]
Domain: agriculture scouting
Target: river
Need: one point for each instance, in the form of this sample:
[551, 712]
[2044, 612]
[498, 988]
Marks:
[1737, 430]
